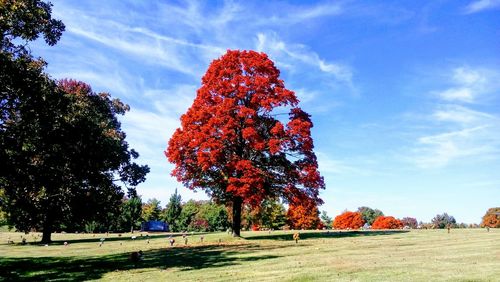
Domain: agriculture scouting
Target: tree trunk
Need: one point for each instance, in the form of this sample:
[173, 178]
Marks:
[237, 201]
[47, 232]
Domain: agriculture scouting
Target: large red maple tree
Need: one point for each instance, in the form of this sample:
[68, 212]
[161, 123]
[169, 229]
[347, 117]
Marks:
[232, 144]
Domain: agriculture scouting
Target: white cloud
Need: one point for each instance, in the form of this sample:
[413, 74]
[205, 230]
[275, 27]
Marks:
[174, 101]
[469, 85]
[306, 95]
[460, 132]
[461, 115]
[458, 94]
[468, 76]
[199, 18]
[439, 150]
[481, 5]
[271, 44]
[298, 15]
[328, 165]
[145, 49]
[148, 132]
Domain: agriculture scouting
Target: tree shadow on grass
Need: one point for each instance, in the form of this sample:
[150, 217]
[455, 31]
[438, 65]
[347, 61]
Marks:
[81, 268]
[325, 234]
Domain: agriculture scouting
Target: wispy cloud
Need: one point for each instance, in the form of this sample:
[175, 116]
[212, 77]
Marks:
[271, 44]
[174, 101]
[481, 5]
[328, 165]
[469, 85]
[461, 115]
[289, 15]
[460, 131]
[441, 149]
[146, 48]
[463, 94]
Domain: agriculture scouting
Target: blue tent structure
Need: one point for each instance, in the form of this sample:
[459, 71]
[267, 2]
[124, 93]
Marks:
[155, 225]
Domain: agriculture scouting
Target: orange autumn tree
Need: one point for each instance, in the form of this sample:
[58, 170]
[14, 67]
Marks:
[232, 145]
[351, 220]
[303, 215]
[491, 218]
[387, 222]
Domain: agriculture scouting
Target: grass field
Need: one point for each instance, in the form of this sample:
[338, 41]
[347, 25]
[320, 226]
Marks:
[417, 255]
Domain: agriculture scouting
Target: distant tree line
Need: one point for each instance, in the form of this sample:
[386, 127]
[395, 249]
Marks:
[366, 217]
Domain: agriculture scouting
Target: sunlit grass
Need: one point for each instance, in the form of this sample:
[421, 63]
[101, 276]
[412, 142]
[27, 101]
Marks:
[426, 255]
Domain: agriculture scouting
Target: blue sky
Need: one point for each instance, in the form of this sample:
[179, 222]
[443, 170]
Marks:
[405, 97]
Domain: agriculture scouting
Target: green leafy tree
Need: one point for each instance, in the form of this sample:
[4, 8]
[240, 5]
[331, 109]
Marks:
[272, 214]
[131, 212]
[25, 20]
[173, 210]
[187, 215]
[61, 143]
[215, 216]
[3, 214]
[369, 215]
[248, 216]
[444, 221]
[151, 210]
[62, 151]
[21, 75]
[327, 221]
[202, 216]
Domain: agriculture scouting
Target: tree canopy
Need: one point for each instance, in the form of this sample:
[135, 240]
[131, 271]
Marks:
[369, 215]
[25, 20]
[151, 210]
[410, 222]
[63, 150]
[173, 210]
[443, 221]
[62, 147]
[387, 222]
[304, 215]
[348, 220]
[491, 218]
[325, 219]
[232, 145]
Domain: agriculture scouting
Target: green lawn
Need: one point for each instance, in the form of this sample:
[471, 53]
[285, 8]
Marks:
[419, 255]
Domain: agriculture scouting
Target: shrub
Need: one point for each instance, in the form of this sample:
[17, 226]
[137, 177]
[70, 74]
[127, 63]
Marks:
[387, 222]
[352, 220]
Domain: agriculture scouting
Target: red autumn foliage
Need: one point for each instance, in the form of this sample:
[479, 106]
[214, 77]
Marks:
[387, 222]
[303, 215]
[491, 218]
[348, 220]
[231, 144]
